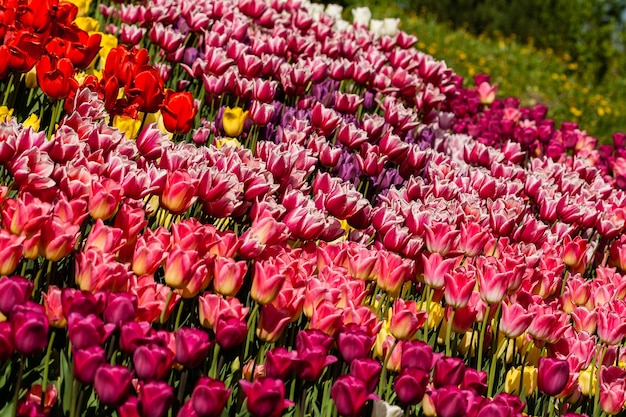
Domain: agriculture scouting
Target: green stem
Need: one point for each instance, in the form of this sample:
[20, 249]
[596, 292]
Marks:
[216, 354]
[18, 386]
[46, 367]
[251, 328]
[449, 332]
[596, 398]
[429, 297]
[492, 367]
[481, 339]
[383, 375]
[167, 302]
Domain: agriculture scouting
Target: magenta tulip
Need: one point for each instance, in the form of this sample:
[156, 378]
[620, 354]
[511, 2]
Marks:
[553, 375]
[209, 397]
[265, 397]
[350, 396]
[410, 385]
[112, 384]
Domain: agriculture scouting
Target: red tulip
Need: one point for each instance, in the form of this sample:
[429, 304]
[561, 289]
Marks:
[178, 111]
[55, 76]
[146, 90]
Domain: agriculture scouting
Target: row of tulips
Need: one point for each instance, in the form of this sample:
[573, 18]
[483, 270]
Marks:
[257, 208]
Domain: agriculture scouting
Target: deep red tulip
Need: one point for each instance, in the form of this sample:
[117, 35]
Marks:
[155, 398]
[14, 290]
[192, 346]
[410, 385]
[209, 397]
[350, 395]
[553, 375]
[448, 371]
[55, 76]
[152, 361]
[86, 363]
[147, 89]
[112, 384]
[265, 397]
[30, 328]
[178, 111]
[279, 363]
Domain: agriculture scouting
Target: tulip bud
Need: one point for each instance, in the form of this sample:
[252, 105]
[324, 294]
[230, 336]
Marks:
[410, 385]
[155, 398]
[86, 362]
[265, 397]
[350, 395]
[192, 346]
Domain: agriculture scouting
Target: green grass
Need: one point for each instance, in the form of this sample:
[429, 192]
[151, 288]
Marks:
[522, 71]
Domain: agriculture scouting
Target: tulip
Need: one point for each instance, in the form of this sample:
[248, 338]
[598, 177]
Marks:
[87, 331]
[11, 247]
[230, 332]
[450, 401]
[209, 397]
[448, 371]
[350, 395]
[179, 192]
[14, 290]
[192, 346]
[612, 396]
[311, 362]
[265, 397]
[155, 398]
[228, 275]
[271, 324]
[354, 343]
[233, 121]
[515, 320]
[29, 327]
[406, 320]
[152, 361]
[178, 112]
[86, 362]
[267, 281]
[514, 378]
[121, 308]
[7, 345]
[55, 76]
[553, 375]
[279, 363]
[410, 385]
[611, 327]
[112, 384]
[417, 354]
[436, 268]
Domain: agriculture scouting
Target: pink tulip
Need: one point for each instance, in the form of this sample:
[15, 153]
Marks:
[436, 268]
[410, 385]
[515, 320]
[14, 290]
[611, 327]
[192, 346]
[86, 362]
[152, 361]
[279, 363]
[459, 285]
[406, 320]
[448, 371]
[271, 324]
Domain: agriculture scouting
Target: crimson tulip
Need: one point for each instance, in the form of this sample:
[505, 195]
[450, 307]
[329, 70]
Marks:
[55, 76]
[178, 110]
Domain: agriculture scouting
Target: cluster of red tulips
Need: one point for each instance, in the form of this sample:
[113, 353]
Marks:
[249, 207]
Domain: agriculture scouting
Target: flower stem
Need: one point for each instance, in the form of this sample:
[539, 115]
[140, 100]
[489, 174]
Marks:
[449, 332]
[18, 386]
[596, 398]
[44, 382]
[481, 339]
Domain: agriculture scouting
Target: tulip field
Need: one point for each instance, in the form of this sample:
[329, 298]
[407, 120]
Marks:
[258, 208]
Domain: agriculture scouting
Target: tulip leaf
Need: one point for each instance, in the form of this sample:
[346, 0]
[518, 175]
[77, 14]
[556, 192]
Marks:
[66, 382]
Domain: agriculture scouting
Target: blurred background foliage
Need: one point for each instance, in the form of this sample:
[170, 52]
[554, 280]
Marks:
[566, 54]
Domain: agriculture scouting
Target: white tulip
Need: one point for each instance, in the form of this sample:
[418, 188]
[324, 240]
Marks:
[361, 16]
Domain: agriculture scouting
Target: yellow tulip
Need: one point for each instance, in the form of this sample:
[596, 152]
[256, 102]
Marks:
[435, 314]
[529, 380]
[5, 113]
[587, 381]
[127, 125]
[233, 121]
[30, 78]
[88, 24]
[32, 121]
[107, 43]
[232, 142]
[83, 6]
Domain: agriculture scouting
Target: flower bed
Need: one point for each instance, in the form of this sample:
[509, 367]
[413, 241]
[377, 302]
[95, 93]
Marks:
[258, 208]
